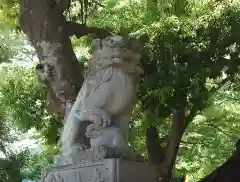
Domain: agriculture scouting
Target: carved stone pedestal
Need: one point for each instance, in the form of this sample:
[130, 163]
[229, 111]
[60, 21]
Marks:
[107, 170]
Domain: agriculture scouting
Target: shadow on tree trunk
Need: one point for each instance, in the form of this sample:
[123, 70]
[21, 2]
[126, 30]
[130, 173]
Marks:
[164, 157]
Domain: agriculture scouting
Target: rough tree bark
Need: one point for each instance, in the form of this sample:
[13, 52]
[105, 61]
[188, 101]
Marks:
[180, 122]
[155, 146]
[164, 158]
[48, 31]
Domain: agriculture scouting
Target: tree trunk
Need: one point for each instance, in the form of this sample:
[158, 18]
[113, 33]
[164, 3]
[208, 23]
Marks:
[164, 158]
[43, 22]
[179, 125]
[155, 146]
[48, 31]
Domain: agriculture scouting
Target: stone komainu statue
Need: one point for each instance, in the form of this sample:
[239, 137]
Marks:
[106, 99]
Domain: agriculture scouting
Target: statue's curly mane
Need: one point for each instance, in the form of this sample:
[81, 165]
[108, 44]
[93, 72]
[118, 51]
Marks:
[117, 53]
[101, 76]
[102, 73]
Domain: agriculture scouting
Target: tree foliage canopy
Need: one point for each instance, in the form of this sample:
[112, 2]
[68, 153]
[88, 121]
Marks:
[191, 59]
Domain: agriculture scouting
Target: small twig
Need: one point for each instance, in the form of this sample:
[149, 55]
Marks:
[194, 143]
[224, 81]
[224, 125]
[219, 129]
[26, 54]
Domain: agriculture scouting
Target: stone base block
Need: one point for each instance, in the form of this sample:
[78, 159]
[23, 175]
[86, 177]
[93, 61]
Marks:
[107, 170]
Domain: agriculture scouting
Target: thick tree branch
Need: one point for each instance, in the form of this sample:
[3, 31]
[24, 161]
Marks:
[156, 153]
[175, 135]
[79, 30]
[43, 22]
[62, 5]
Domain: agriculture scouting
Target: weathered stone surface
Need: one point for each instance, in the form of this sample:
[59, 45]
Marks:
[96, 154]
[107, 170]
[106, 99]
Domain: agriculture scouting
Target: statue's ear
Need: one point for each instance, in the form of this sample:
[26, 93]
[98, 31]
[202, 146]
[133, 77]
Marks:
[95, 45]
[134, 45]
[40, 67]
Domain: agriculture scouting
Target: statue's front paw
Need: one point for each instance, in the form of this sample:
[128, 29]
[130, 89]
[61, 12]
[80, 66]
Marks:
[100, 121]
[93, 131]
[106, 121]
[78, 148]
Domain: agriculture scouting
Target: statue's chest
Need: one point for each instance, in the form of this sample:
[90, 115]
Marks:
[90, 86]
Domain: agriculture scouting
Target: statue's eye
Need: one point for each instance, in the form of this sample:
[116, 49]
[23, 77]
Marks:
[50, 68]
[40, 67]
